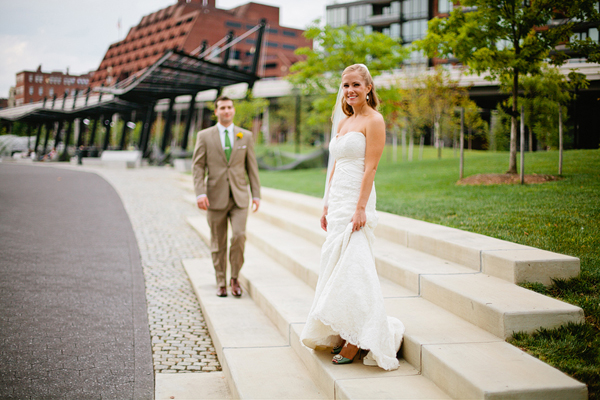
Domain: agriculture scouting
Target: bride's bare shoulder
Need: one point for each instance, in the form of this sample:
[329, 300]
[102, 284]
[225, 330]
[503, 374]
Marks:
[341, 123]
[376, 122]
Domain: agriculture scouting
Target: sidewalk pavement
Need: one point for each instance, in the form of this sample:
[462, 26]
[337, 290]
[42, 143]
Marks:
[87, 311]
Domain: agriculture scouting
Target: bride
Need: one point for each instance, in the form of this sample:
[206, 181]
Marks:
[348, 311]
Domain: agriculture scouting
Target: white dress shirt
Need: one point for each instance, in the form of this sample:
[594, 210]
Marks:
[222, 134]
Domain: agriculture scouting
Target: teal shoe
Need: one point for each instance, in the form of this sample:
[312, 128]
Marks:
[339, 359]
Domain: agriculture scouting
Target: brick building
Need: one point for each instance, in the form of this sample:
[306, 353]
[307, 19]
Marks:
[33, 86]
[186, 24]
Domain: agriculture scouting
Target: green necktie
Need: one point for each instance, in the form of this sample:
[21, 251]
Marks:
[227, 145]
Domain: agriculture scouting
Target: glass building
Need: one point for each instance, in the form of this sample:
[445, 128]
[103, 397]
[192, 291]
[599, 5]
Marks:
[404, 20]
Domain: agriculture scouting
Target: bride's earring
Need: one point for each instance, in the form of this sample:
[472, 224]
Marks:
[367, 97]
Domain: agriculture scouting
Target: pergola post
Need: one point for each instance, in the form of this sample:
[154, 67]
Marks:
[38, 137]
[147, 128]
[106, 131]
[167, 129]
[29, 129]
[81, 133]
[92, 141]
[188, 122]
[48, 124]
[65, 154]
[124, 133]
[227, 50]
[57, 137]
[259, 39]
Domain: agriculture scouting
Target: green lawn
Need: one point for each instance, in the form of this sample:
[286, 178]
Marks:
[561, 216]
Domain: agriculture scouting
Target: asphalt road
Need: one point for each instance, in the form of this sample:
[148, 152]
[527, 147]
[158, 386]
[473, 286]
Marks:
[73, 317]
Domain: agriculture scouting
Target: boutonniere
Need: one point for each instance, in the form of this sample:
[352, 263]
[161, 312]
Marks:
[240, 135]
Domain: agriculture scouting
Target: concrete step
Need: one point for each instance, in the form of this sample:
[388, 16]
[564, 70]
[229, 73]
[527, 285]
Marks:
[512, 262]
[495, 369]
[430, 329]
[491, 303]
[398, 263]
[257, 360]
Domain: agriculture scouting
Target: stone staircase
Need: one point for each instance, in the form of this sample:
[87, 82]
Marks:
[454, 291]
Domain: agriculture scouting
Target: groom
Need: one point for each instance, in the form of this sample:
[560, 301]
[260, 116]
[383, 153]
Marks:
[223, 156]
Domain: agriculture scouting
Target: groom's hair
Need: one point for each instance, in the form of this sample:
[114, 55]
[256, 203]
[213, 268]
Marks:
[221, 98]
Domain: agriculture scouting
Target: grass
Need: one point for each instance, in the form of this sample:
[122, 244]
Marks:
[561, 216]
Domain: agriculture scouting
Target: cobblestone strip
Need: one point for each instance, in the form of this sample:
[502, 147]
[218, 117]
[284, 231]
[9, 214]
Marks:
[154, 200]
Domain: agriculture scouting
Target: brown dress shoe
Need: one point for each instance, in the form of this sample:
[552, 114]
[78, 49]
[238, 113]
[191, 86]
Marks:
[222, 291]
[236, 290]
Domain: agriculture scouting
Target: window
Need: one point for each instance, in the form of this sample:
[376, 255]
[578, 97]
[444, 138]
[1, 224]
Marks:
[288, 47]
[358, 14]
[337, 16]
[444, 6]
[30, 90]
[41, 91]
[51, 92]
[39, 79]
[289, 33]
[395, 31]
[414, 9]
[233, 24]
[270, 65]
[273, 31]
[413, 30]
[272, 44]
[250, 41]
[30, 78]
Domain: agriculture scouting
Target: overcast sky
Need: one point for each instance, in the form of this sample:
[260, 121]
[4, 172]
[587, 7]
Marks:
[76, 33]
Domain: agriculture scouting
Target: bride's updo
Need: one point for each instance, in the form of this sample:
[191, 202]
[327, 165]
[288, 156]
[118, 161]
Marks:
[373, 100]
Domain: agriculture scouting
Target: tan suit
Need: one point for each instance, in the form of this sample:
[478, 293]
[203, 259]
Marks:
[226, 186]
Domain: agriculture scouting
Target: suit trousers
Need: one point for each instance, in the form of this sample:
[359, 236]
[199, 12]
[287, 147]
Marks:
[217, 220]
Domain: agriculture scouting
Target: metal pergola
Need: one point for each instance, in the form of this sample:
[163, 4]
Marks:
[175, 74]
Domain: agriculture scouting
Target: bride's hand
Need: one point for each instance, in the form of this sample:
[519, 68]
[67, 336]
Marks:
[359, 219]
[324, 219]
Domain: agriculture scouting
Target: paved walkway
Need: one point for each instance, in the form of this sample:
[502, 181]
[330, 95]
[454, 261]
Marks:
[72, 300]
[154, 202]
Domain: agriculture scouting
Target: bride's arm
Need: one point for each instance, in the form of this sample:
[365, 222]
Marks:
[375, 135]
[326, 200]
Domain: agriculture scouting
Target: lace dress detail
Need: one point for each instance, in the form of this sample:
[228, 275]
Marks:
[348, 301]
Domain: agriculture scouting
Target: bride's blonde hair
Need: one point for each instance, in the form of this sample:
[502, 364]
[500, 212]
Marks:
[373, 100]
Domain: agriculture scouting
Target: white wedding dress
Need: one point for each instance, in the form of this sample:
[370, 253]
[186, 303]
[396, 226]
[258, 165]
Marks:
[348, 301]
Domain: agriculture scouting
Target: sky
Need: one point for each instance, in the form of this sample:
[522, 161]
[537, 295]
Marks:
[75, 34]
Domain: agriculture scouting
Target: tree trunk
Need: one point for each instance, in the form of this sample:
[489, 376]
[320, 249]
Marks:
[404, 143]
[438, 139]
[411, 147]
[421, 143]
[560, 140]
[530, 138]
[462, 142]
[522, 145]
[512, 161]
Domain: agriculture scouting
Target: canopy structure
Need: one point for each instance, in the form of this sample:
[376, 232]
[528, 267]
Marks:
[175, 74]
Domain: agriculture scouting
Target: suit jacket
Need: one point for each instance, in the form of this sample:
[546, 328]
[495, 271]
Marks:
[217, 178]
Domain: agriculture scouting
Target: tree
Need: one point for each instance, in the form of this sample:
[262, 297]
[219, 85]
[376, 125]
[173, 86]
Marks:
[334, 49]
[438, 97]
[509, 38]
[473, 122]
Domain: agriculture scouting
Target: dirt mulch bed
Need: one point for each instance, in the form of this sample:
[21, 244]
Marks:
[505, 179]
